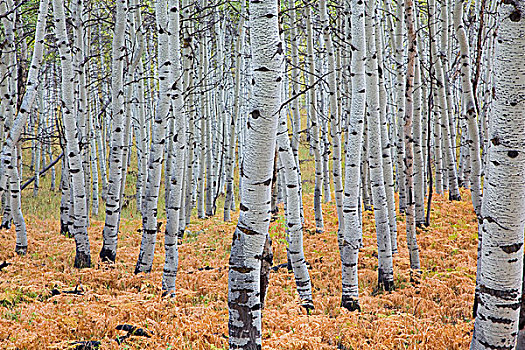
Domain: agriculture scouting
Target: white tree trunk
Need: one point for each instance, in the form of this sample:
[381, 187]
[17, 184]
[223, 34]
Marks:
[386, 145]
[16, 210]
[256, 169]
[384, 243]
[314, 129]
[118, 139]
[335, 127]
[419, 160]
[469, 109]
[294, 222]
[503, 209]
[350, 239]
[175, 197]
[18, 124]
[400, 103]
[230, 155]
[413, 250]
[80, 210]
[156, 154]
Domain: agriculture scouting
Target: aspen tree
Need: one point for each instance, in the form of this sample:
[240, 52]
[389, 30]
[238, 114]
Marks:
[400, 103]
[350, 239]
[191, 109]
[384, 243]
[5, 71]
[296, 113]
[175, 197]
[133, 60]
[295, 79]
[94, 165]
[469, 109]
[335, 127]
[472, 135]
[409, 139]
[18, 218]
[99, 129]
[15, 126]
[256, 168]
[365, 173]
[314, 129]
[9, 97]
[113, 200]
[156, 154]
[323, 115]
[419, 160]
[230, 160]
[443, 110]
[139, 119]
[201, 128]
[81, 103]
[9, 156]
[76, 171]
[293, 214]
[437, 106]
[503, 213]
[386, 144]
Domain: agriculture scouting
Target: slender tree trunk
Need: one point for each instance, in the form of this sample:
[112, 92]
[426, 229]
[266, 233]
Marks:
[230, 155]
[469, 109]
[335, 127]
[80, 210]
[15, 126]
[409, 139]
[400, 103]
[503, 213]
[118, 137]
[16, 209]
[350, 239]
[384, 243]
[314, 130]
[38, 139]
[419, 160]
[156, 154]
[293, 214]
[175, 197]
[386, 144]
[244, 292]
[472, 137]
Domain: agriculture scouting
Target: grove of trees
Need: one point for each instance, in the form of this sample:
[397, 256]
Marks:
[217, 103]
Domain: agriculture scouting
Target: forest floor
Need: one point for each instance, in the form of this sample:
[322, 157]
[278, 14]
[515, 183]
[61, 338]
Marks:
[433, 314]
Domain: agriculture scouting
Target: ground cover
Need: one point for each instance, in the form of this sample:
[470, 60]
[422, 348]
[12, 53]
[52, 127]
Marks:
[432, 314]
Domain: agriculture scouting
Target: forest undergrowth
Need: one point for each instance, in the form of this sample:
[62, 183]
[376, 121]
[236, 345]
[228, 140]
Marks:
[36, 312]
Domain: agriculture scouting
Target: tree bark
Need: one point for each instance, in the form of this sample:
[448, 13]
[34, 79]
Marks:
[256, 168]
[503, 210]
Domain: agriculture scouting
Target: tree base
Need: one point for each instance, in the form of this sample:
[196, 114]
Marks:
[139, 267]
[6, 224]
[350, 303]
[168, 294]
[107, 255]
[415, 276]
[308, 305]
[383, 283]
[82, 260]
[452, 197]
[21, 250]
